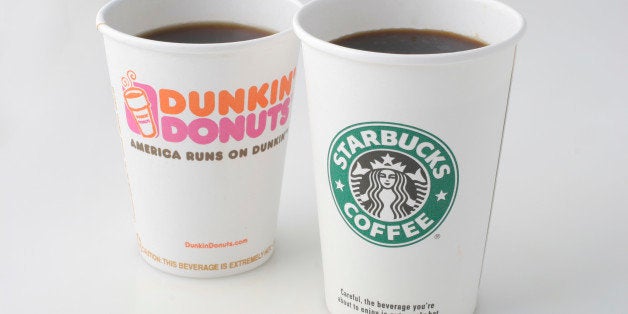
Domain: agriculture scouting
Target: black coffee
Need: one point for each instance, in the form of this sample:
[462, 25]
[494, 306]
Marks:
[408, 41]
[205, 33]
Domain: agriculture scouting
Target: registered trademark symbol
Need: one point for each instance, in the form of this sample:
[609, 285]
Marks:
[437, 236]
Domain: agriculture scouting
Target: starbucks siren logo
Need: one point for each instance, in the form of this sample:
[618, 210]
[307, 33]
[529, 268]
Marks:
[393, 184]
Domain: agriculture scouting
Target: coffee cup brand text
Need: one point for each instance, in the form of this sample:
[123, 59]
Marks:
[207, 116]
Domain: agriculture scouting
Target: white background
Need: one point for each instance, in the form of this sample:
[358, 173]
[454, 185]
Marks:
[558, 240]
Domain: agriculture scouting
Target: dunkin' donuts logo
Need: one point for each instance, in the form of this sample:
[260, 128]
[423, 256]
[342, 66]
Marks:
[393, 184]
[206, 116]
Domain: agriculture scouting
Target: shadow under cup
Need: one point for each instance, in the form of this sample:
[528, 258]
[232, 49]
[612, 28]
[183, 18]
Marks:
[192, 118]
[440, 113]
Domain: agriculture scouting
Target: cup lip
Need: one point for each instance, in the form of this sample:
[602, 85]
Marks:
[132, 89]
[189, 48]
[409, 59]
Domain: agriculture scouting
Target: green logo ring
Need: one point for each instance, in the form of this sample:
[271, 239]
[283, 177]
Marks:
[392, 184]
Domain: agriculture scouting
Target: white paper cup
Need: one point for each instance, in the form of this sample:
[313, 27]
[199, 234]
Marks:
[406, 149]
[204, 130]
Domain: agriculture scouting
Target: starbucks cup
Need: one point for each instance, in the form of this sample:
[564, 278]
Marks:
[204, 130]
[406, 150]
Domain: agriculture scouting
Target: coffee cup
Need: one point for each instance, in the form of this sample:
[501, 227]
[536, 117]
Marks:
[406, 150]
[204, 129]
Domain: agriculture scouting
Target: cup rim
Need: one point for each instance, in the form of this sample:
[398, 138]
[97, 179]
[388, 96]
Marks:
[162, 46]
[408, 59]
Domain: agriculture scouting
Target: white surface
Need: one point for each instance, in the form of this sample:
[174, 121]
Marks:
[558, 241]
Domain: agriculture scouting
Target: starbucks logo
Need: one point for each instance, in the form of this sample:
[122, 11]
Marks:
[393, 184]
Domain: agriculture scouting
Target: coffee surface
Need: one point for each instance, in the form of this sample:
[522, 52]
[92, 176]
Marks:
[205, 33]
[408, 41]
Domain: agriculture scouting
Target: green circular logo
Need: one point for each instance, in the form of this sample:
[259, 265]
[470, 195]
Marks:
[393, 184]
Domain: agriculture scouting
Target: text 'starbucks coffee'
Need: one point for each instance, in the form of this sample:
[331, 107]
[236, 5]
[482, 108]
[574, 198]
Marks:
[407, 102]
[393, 184]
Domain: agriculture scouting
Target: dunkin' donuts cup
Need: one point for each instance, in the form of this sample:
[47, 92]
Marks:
[204, 130]
[406, 149]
